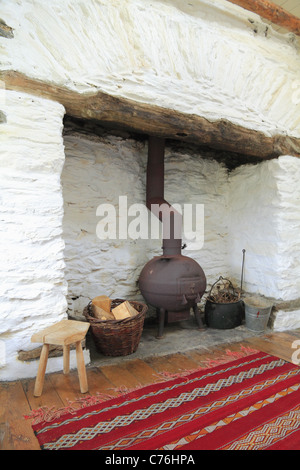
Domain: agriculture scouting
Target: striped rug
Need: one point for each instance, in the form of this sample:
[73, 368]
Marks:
[252, 403]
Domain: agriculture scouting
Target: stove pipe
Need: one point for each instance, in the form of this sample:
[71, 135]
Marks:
[170, 218]
[172, 283]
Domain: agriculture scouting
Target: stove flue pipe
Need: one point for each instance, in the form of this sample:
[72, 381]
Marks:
[155, 201]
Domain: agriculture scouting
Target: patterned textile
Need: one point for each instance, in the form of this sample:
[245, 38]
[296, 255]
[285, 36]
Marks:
[251, 403]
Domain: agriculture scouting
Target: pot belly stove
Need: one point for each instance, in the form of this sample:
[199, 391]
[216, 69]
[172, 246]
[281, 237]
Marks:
[172, 283]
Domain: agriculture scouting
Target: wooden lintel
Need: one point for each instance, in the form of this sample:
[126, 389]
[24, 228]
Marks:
[271, 12]
[154, 120]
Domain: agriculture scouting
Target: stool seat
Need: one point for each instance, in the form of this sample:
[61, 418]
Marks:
[63, 333]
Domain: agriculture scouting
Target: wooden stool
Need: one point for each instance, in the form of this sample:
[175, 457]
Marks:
[63, 334]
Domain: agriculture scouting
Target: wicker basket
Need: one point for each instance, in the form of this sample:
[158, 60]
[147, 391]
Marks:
[117, 337]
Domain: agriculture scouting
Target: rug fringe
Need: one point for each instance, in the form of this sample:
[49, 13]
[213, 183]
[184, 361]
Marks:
[209, 363]
[229, 356]
[47, 414]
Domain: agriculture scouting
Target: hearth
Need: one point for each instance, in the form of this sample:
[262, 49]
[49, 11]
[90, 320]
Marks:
[172, 283]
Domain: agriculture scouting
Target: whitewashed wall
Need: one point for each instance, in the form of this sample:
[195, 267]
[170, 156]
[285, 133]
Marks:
[33, 287]
[253, 226]
[264, 219]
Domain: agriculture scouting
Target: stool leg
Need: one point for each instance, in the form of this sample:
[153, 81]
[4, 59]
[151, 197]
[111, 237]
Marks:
[66, 350]
[39, 382]
[81, 368]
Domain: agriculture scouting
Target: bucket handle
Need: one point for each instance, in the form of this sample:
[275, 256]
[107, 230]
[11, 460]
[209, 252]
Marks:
[221, 278]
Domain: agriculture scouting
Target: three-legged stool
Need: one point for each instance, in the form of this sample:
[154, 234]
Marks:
[63, 333]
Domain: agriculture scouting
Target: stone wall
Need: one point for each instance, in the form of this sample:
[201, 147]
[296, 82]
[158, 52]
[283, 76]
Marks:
[264, 219]
[33, 286]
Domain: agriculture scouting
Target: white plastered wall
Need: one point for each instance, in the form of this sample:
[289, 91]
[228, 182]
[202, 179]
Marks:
[33, 286]
[264, 219]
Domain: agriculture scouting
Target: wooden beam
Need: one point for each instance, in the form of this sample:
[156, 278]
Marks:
[153, 120]
[271, 12]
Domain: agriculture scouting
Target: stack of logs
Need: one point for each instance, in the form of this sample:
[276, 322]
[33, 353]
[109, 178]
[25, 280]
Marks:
[101, 309]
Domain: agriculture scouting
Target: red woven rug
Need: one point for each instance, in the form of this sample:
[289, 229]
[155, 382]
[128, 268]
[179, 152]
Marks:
[247, 404]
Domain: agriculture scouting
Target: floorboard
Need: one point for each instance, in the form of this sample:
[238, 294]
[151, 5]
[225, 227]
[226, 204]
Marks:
[172, 364]
[277, 344]
[17, 400]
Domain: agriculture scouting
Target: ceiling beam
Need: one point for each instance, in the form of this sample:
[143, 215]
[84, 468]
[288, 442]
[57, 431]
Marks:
[117, 112]
[271, 12]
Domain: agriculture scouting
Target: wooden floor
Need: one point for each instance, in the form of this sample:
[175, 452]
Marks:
[17, 400]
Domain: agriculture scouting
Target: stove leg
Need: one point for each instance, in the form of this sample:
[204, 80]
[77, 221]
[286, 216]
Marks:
[161, 322]
[198, 317]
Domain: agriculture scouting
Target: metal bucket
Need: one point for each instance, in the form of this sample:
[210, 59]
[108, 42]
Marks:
[257, 314]
[223, 309]
[224, 316]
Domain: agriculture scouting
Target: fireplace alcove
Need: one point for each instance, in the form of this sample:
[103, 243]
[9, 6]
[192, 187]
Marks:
[103, 165]
[239, 194]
